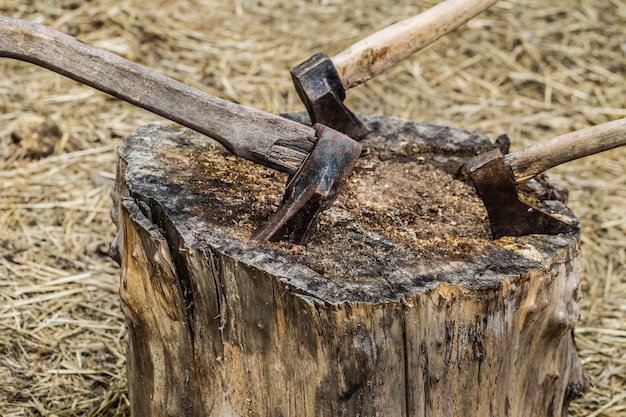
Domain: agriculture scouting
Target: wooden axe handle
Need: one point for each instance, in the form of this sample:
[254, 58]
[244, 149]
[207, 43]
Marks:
[535, 159]
[380, 51]
[251, 133]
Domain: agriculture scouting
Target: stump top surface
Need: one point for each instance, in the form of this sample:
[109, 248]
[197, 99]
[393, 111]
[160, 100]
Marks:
[406, 221]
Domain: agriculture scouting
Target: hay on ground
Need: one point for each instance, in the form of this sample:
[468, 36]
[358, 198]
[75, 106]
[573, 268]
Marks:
[527, 68]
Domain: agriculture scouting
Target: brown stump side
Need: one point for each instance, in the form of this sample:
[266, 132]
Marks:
[222, 326]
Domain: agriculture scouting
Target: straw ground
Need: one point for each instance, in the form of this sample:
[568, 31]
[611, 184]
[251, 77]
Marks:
[532, 69]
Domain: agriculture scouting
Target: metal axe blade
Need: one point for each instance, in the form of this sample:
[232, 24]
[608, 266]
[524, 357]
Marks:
[319, 86]
[508, 215]
[313, 188]
[495, 177]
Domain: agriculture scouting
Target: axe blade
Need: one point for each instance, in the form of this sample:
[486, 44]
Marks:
[508, 215]
[313, 188]
[319, 86]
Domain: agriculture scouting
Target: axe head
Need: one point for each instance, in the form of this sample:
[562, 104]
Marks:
[320, 88]
[507, 214]
[313, 188]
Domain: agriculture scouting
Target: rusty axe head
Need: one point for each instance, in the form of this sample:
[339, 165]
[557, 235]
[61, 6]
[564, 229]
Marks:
[495, 176]
[321, 90]
[321, 81]
[508, 215]
[313, 188]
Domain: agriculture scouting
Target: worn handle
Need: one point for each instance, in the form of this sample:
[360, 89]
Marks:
[535, 159]
[253, 134]
[385, 48]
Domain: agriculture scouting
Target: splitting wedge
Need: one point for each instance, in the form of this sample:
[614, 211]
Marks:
[253, 134]
[495, 177]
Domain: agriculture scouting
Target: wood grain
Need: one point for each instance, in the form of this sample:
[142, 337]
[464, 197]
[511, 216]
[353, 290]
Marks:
[253, 134]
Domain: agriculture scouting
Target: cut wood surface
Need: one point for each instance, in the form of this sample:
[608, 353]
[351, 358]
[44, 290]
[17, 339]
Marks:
[438, 321]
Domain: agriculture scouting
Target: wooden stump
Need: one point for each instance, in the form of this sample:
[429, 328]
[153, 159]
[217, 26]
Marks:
[400, 305]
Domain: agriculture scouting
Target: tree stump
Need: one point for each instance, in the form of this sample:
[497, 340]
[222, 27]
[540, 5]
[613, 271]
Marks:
[400, 305]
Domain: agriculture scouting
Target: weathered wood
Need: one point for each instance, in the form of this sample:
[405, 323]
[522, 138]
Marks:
[219, 325]
[245, 131]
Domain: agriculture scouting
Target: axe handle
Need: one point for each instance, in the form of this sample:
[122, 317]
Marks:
[253, 134]
[385, 48]
[535, 159]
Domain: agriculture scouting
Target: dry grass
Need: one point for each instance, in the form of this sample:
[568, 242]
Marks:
[533, 69]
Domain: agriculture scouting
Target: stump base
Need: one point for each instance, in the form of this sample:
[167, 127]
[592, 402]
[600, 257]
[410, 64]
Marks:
[399, 323]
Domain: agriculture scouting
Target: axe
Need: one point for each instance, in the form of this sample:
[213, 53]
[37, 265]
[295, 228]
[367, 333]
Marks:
[322, 81]
[495, 177]
[319, 159]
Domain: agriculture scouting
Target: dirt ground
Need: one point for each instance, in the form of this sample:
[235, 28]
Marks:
[530, 69]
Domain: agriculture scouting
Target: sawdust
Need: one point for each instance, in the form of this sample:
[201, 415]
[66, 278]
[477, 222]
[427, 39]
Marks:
[392, 210]
[393, 213]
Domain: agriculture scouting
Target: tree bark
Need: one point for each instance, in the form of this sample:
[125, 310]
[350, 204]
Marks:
[219, 325]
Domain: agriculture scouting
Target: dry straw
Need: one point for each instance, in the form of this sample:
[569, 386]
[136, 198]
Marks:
[532, 69]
